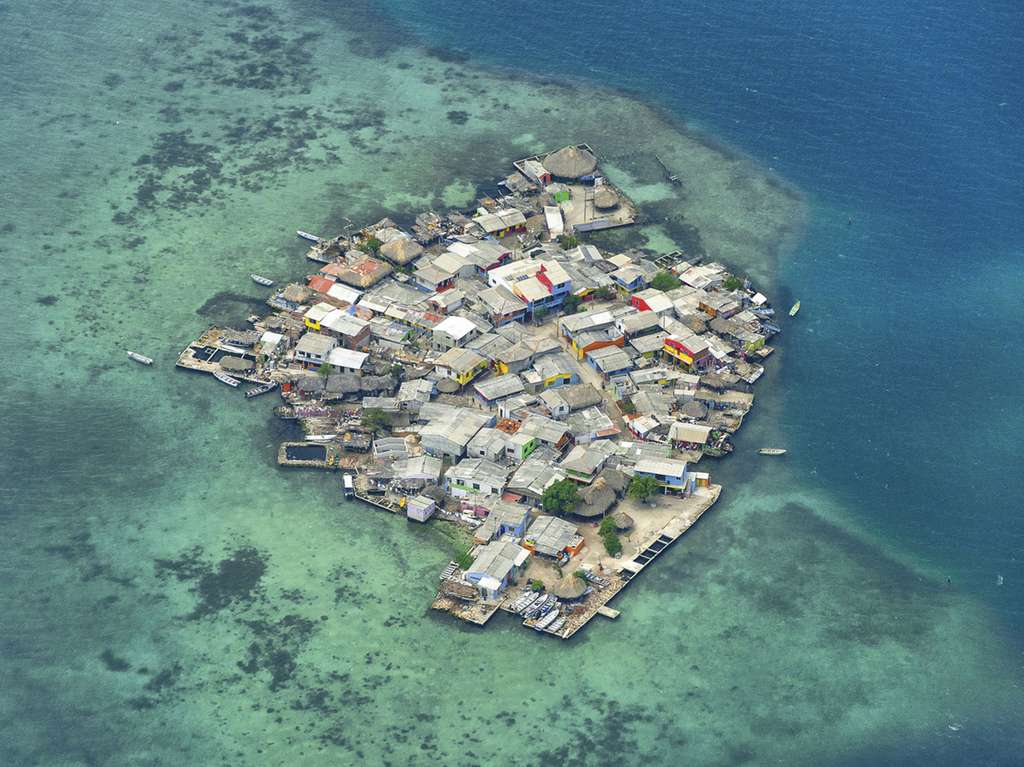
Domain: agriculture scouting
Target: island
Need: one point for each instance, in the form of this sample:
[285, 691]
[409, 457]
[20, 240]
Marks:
[550, 401]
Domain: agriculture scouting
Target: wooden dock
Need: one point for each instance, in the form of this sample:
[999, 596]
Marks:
[597, 603]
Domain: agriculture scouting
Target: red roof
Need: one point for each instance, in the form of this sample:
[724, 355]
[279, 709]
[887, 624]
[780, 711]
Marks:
[334, 269]
[320, 284]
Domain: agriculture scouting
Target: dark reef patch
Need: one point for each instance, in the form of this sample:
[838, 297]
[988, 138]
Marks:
[48, 300]
[235, 580]
[228, 307]
[114, 662]
[458, 117]
[276, 646]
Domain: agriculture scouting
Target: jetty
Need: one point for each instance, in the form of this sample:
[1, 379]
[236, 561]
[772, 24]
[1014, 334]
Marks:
[489, 369]
[671, 177]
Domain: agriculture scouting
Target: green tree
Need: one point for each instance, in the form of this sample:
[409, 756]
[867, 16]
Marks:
[612, 544]
[371, 245]
[568, 241]
[376, 419]
[540, 313]
[324, 370]
[537, 585]
[571, 303]
[642, 488]
[604, 294]
[560, 498]
[665, 281]
[732, 283]
[607, 526]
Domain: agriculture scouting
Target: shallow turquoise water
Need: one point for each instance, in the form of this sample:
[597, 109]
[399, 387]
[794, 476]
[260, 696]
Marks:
[170, 596]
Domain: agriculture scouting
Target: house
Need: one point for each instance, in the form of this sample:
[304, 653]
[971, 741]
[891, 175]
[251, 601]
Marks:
[488, 443]
[448, 300]
[583, 462]
[493, 390]
[554, 370]
[432, 279]
[552, 537]
[533, 477]
[547, 431]
[416, 472]
[556, 405]
[652, 300]
[501, 223]
[650, 345]
[503, 518]
[719, 305]
[475, 475]
[313, 348]
[449, 429]
[412, 394]
[610, 361]
[535, 171]
[483, 254]
[688, 436]
[639, 324]
[519, 446]
[353, 332]
[346, 360]
[692, 351]
[272, 344]
[501, 305]
[540, 284]
[315, 313]
[461, 365]
[344, 293]
[453, 332]
[419, 507]
[629, 277]
[495, 567]
[671, 474]
[452, 262]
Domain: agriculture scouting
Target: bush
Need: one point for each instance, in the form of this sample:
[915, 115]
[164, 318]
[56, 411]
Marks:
[571, 304]
[607, 526]
[642, 488]
[732, 283]
[665, 281]
[371, 245]
[537, 585]
[568, 241]
[612, 544]
[561, 498]
[376, 419]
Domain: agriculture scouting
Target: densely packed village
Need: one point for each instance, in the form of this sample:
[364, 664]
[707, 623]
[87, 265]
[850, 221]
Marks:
[494, 370]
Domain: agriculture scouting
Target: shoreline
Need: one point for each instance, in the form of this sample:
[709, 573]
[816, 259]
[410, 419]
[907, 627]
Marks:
[470, 340]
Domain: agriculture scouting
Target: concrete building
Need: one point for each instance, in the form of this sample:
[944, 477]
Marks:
[453, 332]
[495, 567]
[475, 475]
[313, 349]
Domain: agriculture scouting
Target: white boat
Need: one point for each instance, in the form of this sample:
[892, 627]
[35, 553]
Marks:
[224, 378]
[546, 621]
[772, 451]
[140, 358]
[794, 309]
[308, 236]
[261, 389]
[261, 280]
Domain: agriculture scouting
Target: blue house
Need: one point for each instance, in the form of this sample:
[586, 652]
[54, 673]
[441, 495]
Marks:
[671, 475]
[497, 566]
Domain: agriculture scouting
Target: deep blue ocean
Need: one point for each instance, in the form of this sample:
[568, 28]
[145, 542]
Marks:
[903, 124]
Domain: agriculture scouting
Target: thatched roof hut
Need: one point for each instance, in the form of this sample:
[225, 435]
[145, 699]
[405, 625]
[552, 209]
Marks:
[570, 162]
[401, 250]
[570, 587]
[622, 521]
[605, 198]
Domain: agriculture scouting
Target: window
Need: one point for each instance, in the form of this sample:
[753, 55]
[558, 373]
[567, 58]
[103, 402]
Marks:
[476, 485]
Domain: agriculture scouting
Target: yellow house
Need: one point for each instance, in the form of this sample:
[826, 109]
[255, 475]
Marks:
[462, 365]
[315, 313]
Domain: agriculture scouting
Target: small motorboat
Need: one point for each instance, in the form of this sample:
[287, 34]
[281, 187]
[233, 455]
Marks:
[772, 451]
[261, 389]
[224, 378]
[261, 280]
[140, 358]
[794, 309]
[307, 236]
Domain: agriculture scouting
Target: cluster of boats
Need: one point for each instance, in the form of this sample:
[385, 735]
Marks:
[541, 608]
